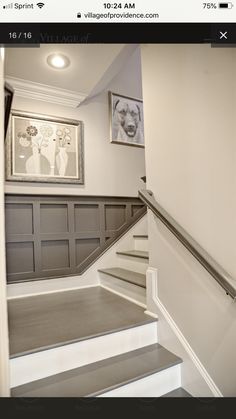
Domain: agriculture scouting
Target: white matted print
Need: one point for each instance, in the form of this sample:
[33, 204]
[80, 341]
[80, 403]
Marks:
[126, 120]
[44, 149]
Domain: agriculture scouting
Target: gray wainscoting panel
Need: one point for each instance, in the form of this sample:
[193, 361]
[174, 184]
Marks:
[115, 216]
[20, 257]
[24, 223]
[53, 236]
[54, 218]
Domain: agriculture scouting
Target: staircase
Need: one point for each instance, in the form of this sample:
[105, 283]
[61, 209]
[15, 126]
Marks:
[94, 341]
[128, 278]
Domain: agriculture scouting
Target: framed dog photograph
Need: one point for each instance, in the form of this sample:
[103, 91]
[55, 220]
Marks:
[126, 120]
[42, 148]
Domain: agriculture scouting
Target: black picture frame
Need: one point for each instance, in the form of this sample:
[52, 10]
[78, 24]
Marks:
[8, 97]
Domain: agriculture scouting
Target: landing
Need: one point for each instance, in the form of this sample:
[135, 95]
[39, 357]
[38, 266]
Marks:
[40, 322]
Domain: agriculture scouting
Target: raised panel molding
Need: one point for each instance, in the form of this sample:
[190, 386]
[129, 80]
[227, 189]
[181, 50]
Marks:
[55, 236]
[37, 91]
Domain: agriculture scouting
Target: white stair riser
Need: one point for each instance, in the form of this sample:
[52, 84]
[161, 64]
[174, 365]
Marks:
[124, 289]
[132, 263]
[25, 369]
[154, 385]
[141, 244]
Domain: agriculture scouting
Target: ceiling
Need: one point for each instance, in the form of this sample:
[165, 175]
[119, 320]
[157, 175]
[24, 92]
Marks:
[89, 62]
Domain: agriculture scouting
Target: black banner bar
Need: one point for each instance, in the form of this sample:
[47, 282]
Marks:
[12, 34]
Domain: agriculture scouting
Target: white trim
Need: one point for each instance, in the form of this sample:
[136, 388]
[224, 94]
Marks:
[15, 297]
[152, 282]
[36, 366]
[124, 296]
[150, 313]
[4, 347]
[37, 91]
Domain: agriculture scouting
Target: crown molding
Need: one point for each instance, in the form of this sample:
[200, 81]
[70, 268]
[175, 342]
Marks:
[37, 91]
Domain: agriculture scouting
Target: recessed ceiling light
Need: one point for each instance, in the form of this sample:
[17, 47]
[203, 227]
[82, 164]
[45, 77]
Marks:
[58, 61]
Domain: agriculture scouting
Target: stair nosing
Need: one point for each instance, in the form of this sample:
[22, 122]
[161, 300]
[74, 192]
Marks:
[136, 378]
[140, 236]
[126, 253]
[120, 277]
[71, 342]
[127, 381]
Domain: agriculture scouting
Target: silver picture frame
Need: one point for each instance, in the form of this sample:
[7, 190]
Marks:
[45, 149]
[126, 120]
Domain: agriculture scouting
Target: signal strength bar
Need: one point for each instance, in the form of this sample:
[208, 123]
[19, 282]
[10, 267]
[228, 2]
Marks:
[8, 6]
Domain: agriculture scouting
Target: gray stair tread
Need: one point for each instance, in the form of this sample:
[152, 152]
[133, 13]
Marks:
[126, 275]
[47, 321]
[102, 376]
[135, 253]
[179, 392]
[140, 236]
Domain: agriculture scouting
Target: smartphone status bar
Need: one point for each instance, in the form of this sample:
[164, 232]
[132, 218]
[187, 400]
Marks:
[137, 11]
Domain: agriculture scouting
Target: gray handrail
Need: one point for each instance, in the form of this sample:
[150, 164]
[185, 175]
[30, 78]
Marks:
[221, 276]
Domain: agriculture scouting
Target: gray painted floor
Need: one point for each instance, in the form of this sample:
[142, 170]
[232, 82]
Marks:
[126, 275]
[179, 392]
[102, 376]
[40, 322]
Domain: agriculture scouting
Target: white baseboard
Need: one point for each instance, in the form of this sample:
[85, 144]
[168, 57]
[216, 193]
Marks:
[154, 385]
[15, 297]
[35, 366]
[152, 284]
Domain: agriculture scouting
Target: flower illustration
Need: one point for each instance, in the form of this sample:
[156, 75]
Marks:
[63, 136]
[46, 131]
[32, 131]
[59, 133]
[24, 140]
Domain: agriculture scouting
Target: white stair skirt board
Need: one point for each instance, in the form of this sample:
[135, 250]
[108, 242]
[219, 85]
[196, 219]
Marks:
[154, 385]
[89, 278]
[25, 369]
[124, 289]
[141, 243]
[152, 294]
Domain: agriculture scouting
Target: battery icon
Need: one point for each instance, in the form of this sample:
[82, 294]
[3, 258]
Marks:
[225, 5]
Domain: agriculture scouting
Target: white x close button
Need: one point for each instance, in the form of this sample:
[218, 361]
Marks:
[223, 35]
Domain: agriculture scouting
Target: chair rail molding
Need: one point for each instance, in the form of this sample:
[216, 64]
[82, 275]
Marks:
[37, 91]
[152, 291]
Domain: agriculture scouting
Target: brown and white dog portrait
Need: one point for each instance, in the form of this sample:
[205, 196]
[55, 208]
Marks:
[127, 123]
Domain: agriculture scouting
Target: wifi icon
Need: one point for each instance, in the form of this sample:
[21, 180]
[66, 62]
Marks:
[40, 5]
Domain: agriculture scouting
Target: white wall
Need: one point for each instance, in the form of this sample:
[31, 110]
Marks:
[110, 169]
[189, 94]
[4, 350]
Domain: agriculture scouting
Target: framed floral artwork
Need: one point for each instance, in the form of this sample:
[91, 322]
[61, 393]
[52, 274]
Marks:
[43, 148]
